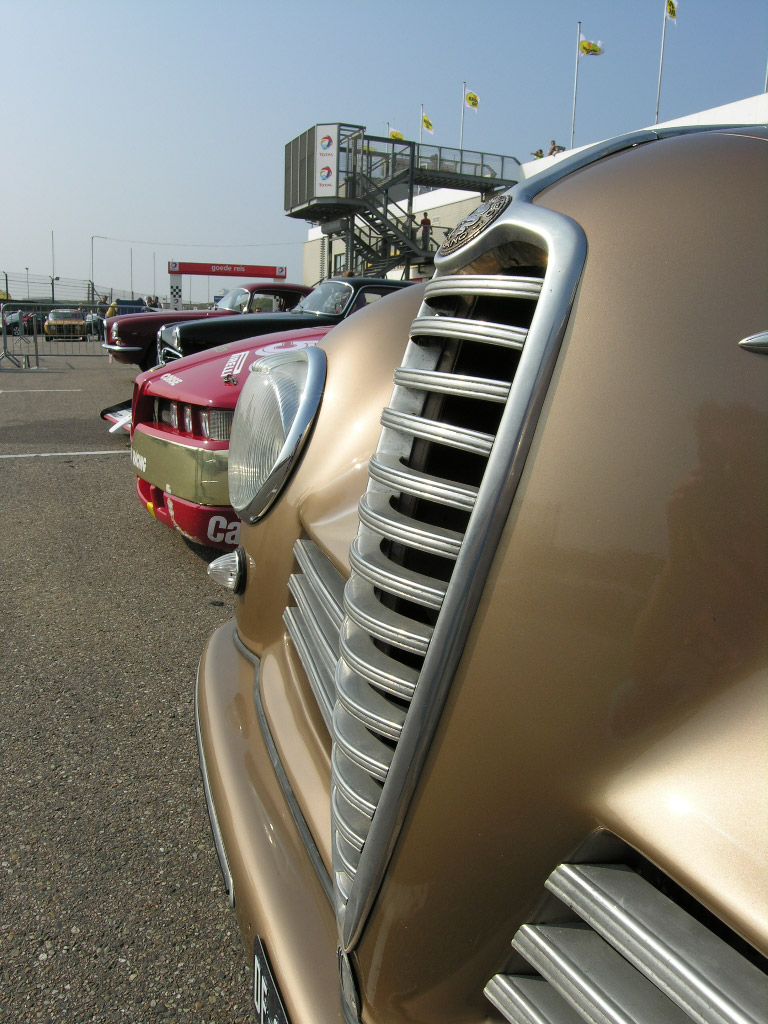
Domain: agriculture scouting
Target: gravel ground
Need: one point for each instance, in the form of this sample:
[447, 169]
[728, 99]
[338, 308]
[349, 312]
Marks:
[112, 903]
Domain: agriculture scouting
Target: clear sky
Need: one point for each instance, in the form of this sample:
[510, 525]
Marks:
[159, 126]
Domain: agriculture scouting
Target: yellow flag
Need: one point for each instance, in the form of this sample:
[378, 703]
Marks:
[427, 123]
[472, 99]
[396, 135]
[589, 49]
[672, 10]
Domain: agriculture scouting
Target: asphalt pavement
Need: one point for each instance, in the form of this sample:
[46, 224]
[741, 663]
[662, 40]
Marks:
[111, 902]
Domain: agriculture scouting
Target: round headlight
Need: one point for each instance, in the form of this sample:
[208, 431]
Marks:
[273, 416]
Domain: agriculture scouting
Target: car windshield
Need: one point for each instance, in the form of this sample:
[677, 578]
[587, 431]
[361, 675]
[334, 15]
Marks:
[328, 297]
[235, 299]
[64, 314]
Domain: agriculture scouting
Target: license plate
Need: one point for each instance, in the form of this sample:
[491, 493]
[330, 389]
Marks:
[266, 997]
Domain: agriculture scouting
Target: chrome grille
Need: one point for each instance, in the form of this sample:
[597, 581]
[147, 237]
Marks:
[438, 433]
[453, 444]
[626, 953]
[314, 621]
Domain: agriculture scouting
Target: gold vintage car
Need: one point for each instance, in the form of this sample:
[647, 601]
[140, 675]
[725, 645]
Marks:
[65, 323]
[486, 740]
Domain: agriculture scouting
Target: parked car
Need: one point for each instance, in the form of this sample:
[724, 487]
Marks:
[133, 338]
[94, 324]
[485, 740]
[65, 323]
[328, 303]
[180, 435]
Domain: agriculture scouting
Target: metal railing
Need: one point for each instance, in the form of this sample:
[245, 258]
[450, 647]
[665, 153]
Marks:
[25, 340]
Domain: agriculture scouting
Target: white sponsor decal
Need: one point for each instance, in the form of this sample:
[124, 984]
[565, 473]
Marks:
[220, 530]
[235, 363]
[139, 461]
[281, 346]
[171, 378]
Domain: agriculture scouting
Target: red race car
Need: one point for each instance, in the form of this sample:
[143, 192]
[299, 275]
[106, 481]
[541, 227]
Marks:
[181, 419]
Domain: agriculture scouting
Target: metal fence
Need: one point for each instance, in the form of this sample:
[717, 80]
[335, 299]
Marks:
[25, 336]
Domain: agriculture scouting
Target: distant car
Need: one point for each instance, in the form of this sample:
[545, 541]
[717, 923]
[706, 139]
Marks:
[28, 320]
[65, 323]
[132, 338]
[12, 321]
[180, 435]
[328, 303]
[94, 324]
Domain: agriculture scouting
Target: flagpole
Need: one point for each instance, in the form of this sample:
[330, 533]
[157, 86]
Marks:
[661, 61]
[575, 82]
[421, 123]
[463, 104]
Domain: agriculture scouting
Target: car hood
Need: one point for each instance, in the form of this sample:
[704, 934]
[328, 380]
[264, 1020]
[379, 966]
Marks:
[254, 324]
[159, 319]
[215, 376]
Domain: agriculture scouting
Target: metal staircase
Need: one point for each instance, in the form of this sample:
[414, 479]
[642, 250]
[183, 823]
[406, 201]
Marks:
[367, 197]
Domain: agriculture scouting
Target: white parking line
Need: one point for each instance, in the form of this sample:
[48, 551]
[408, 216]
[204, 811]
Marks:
[35, 391]
[49, 455]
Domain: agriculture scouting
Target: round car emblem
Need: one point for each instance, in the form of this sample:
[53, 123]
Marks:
[474, 224]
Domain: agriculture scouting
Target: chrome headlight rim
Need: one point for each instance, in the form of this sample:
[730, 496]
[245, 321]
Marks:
[259, 503]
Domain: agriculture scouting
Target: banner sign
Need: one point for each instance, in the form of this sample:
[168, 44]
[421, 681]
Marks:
[224, 270]
[326, 160]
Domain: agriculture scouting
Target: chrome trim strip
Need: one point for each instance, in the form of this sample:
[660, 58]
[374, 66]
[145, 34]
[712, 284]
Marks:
[218, 839]
[452, 384]
[691, 965]
[529, 1000]
[484, 285]
[377, 514]
[389, 470]
[596, 980]
[381, 716]
[469, 330]
[564, 240]
[756, 343]
[282, 778]
[389, 626]
[313, 663]
[362, 655]
[363, 793]
[441, 433]
[121, 348]
[359, 745]
[366, 559]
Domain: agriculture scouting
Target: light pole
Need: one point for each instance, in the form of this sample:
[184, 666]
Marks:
[93, 278]
[27, 270]
[53, 291]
